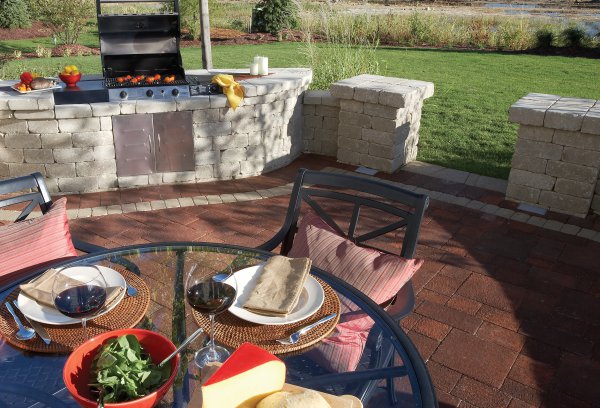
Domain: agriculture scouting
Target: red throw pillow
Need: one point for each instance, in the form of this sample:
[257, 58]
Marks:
[34, 242]
[378, 275]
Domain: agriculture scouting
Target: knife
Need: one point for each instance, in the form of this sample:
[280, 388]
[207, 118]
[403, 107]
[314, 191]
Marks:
[37, 326]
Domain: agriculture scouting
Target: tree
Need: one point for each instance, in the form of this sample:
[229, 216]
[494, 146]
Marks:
[272, 16]
[13, 14]
[66, 18]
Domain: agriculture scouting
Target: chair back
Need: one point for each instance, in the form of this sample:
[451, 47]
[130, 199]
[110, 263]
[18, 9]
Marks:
[405, 207]
[33, 192]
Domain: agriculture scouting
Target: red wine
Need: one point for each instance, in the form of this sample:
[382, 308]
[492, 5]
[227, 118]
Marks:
[210, 297]
[80, 301]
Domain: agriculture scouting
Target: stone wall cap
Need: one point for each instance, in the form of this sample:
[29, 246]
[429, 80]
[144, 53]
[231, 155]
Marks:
[557, 109]
[406, 88]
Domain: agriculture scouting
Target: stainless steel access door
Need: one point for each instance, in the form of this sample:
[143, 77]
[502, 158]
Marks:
[174, 141]
[134, 141]
[159, 143]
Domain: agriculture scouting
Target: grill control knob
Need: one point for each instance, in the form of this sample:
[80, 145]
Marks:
[123, 95]
[149, 93]
[175, 92]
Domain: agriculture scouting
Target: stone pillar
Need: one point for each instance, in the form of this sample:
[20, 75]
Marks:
[557, 156]
[379, 120]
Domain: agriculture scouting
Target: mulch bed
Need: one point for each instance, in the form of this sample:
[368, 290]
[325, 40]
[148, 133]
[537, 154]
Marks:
[224, 36]
[36, 30]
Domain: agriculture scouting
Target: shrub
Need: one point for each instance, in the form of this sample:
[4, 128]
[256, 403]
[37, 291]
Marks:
[43, 52]
[544, 37]
[67, 18]
[575, 36]
[14, 14]
[190, 17]
[344, 54]
[272, 16]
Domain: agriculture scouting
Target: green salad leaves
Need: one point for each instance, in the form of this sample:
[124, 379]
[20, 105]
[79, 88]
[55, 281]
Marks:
[122, 371]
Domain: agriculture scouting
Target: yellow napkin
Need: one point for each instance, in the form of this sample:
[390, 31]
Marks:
[233, 90]
[40, 289]
[279, 286]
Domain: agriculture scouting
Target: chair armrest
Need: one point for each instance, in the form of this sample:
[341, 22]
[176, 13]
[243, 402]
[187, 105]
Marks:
[91, 248]
[403, 304]
[86, 246]
[274, 242]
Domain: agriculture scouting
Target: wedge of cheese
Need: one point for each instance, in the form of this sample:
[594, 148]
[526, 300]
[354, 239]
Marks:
[248, 375]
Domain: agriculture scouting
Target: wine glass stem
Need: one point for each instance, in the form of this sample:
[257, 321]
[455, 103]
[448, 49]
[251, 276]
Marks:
[212, 334]
[84, 326]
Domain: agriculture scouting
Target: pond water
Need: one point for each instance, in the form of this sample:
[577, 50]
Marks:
[592, 27]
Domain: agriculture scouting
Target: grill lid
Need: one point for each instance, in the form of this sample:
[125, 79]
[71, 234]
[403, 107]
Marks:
[140, 44]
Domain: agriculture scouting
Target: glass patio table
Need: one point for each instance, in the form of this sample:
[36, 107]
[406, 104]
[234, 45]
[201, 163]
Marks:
[35, 379]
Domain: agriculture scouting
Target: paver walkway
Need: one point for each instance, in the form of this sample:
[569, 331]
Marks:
[507, 315]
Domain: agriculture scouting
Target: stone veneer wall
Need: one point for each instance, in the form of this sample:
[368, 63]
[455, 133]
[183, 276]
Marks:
[557, 157]
[379, 120]
[366, 120]
[72, 145]
[321, 118]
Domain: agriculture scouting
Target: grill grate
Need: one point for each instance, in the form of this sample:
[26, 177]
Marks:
[112, 83]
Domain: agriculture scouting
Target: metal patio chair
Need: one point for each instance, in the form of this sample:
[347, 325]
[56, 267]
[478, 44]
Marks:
[31, 192]
[405, 210]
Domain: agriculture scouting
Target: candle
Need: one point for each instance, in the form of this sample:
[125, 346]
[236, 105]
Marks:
[257, 59]
[263, 66]
[254, 68]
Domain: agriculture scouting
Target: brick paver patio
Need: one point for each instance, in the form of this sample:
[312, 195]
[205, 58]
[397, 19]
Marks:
[507, 314]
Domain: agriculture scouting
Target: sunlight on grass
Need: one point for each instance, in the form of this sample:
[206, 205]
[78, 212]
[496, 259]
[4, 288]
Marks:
[464, 125]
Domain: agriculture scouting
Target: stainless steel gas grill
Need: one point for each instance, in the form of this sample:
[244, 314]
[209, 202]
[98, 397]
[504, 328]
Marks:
[140, 51]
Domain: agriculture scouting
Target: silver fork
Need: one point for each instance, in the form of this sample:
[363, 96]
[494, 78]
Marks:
[294, 337]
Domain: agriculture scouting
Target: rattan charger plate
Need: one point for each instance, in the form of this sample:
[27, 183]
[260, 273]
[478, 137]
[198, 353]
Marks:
[233, 331]
[65, 339]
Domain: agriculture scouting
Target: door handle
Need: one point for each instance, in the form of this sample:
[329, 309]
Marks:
[158, 135]
[150, 142]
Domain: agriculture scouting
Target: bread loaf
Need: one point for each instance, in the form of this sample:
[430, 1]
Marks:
[285, 399]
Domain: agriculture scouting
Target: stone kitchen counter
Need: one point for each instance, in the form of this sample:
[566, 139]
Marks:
[73, 146]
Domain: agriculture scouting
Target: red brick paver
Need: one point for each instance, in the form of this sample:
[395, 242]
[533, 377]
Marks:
[507, 314]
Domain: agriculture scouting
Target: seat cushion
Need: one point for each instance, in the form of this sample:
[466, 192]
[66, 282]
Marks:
[36, 241]
[378, 275]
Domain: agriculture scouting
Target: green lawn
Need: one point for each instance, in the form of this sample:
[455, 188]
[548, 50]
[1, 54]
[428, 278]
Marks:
[464, 125]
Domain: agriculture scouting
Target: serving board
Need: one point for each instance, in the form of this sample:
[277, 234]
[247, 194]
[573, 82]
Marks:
[344, 401]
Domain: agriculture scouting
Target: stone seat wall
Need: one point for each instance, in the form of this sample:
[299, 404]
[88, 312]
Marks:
[557, 157]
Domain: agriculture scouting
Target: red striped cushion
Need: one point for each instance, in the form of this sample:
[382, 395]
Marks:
[34, 242]
[378, 275]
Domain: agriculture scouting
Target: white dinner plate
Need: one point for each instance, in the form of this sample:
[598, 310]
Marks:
[310, 301]
[50, 315]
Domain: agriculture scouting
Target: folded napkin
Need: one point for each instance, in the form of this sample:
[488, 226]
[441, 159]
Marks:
[231, 89]
[279, 286]
[40, 289]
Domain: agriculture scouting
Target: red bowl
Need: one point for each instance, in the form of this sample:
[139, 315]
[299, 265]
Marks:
[70, 80]
[76, 372]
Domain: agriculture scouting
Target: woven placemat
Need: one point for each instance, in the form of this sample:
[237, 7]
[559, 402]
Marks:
[233, 331]
[65, 339]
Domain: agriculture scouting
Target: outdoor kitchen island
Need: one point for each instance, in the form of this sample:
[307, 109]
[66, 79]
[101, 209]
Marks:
[99, 146]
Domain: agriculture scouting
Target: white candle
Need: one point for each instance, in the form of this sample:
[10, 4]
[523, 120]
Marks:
[254, 68]
[257, 59]
[263, 66]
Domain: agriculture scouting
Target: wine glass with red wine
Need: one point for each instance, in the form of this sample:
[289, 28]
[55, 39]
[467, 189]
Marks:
[79, 293]
[208, 293]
